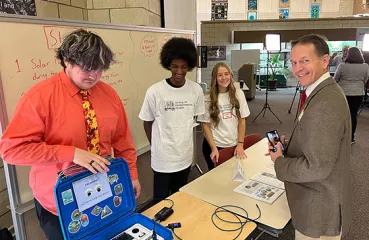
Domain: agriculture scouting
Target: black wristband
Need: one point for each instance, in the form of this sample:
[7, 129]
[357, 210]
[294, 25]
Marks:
[240, 142]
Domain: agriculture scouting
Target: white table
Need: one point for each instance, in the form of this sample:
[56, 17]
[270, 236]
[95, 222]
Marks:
[216, 187]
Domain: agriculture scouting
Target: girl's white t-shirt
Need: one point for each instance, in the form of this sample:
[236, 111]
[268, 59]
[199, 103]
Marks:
[173, 111]
[226, 133]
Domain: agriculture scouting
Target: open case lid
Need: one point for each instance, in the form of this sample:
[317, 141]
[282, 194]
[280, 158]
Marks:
[88, 203]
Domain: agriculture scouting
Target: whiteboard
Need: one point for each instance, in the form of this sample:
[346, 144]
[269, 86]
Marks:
[241, 57]
[27, 56]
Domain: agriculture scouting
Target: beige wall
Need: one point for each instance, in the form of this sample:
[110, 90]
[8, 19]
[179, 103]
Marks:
[126, 12]
[67, 9]
[218, 33]
[269, 9]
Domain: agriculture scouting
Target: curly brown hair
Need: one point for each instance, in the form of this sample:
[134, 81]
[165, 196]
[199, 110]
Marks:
[213, 93]
[85, 49]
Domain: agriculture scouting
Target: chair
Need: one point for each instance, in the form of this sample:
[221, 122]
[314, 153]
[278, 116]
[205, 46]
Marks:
[227, 153]
[251, 140]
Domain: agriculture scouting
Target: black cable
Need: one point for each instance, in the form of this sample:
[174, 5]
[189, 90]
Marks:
[157, 220]
[146, 203]
[166, 199]
[169, 200]
[242, 223]
[238, 216]
[259, 214]
[154, 237]
[176, 234]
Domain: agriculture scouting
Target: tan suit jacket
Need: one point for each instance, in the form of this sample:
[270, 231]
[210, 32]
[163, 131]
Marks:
[316, 166]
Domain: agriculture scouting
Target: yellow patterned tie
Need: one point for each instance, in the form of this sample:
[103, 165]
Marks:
[91, 124]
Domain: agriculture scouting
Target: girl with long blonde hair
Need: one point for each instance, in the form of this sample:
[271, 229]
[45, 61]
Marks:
[224, 123]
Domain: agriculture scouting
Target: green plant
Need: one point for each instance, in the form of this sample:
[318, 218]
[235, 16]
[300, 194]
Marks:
[276, 67]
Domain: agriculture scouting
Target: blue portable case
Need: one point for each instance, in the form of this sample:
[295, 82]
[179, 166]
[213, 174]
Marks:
[107, 218]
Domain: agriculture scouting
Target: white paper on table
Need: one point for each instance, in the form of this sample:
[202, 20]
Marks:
[92, 190]
[259, 191]
[238, 173]
[269, 179]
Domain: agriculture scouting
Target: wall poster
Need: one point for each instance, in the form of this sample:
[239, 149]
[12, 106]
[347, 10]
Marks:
[20, 7]
[217, 53]
[314, 10]
[252, 5]
[219, 10]
[252, 15]
[284, 13]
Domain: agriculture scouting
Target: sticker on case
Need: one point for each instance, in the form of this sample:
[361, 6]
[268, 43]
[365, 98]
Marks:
[113, 178]
[118, 189]
[84, 220]
[117, 201]
[76, 215]
[74, 226]
[67, 196]
[106, 212]
[96, 211]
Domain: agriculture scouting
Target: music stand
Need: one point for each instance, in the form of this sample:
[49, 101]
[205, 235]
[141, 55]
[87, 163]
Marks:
[299, 89]
[272, 44]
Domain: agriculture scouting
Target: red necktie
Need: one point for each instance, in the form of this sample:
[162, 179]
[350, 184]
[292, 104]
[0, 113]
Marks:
[302, 100]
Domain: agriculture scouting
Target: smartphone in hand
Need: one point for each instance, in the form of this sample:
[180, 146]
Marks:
[273, 138]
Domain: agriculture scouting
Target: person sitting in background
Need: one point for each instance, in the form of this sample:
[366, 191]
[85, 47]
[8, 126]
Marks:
[336, 60]
[352, 76]
[70, 118]
[224, 123]
[168, 112]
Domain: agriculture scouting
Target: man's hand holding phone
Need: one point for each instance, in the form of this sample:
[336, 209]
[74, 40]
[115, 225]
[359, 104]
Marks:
[276, 145]
[278, 153]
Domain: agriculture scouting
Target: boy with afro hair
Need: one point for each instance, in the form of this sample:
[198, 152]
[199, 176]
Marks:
[169, 112]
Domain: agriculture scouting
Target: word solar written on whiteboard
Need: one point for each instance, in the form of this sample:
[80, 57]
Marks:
[43, 68]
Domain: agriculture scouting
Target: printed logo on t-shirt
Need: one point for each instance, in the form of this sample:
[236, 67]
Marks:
[226, 111]
[170, 105]
[226, 115]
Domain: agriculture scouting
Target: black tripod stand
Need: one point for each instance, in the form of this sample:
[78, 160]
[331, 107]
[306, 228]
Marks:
[300, 90]
[266, 104]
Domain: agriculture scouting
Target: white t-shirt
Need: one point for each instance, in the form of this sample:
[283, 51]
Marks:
[226, 134]
[173, 111]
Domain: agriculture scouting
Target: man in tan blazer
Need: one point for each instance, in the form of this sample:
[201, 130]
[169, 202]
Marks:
[316, 164]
